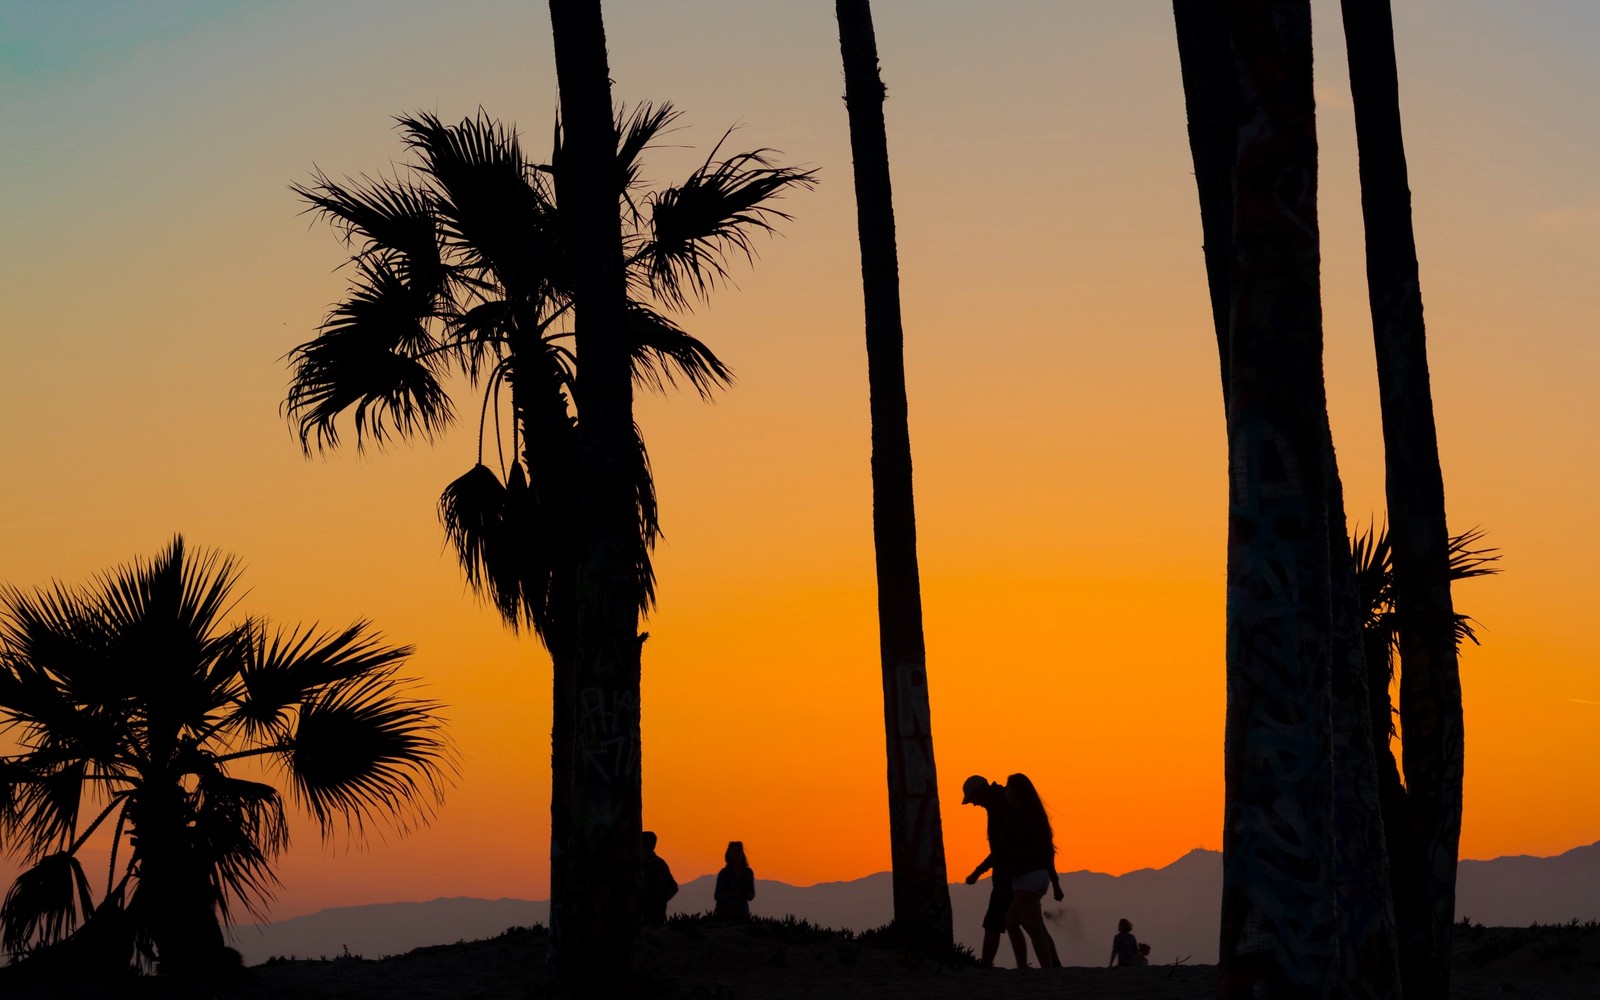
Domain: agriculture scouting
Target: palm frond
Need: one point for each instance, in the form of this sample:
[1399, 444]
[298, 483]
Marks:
[374, 354]
[164, 622]
[1374, 572]
[713, 215]
[48, 805]
[636, 132]
[13, 773]
[54, 658]
[390, 220]
[649, 523]
[45, 904]
[1466, 561]
[1374, 564]
[480, 334]
[360, 751]
[239, 828]
[497, 214]
[475, 511]
[291, 664]
[662, 352]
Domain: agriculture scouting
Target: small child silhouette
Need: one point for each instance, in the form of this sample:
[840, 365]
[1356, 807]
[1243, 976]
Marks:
[1124, 947]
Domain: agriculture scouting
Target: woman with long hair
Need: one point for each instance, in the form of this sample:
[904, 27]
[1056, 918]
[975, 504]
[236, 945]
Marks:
[736, 884]
[1030, 853]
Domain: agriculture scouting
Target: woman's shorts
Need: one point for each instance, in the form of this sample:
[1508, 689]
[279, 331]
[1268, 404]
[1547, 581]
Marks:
[1035, 881]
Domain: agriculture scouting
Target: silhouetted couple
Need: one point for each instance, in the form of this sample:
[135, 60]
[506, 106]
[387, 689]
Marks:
[1022, 859]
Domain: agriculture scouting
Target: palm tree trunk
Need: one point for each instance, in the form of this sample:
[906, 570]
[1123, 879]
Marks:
[549, 458]
[173, 899]
[1279, 918]
[1208, 93]
[1368, 952]
[916, 836]
[604, 852]
[1431, 721]
[1366, 935]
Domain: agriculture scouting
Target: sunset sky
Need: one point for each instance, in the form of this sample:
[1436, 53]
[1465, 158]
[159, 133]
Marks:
[1066, 418]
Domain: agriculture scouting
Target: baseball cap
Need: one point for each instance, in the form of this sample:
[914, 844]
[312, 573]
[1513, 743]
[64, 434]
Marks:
[972, 788]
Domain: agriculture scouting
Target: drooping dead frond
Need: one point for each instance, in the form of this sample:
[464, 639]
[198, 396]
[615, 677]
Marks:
[45, 904]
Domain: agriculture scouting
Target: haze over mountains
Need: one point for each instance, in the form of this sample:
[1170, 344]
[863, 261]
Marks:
[1174, 909]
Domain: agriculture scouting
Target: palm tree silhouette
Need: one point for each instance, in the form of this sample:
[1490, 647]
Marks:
[916, 837]
[1383, 638]
[1290, 613]
[1422, 548]
[465, 264]
[131, 703]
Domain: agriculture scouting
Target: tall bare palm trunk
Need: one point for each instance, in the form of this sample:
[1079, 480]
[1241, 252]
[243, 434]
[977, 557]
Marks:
[1279, 919]
[1366, 943]
[602, 841]
[1366, 930]
[921, 887]
[1430, 683]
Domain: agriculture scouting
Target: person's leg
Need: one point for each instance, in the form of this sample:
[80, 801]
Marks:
[994, 918]
[1031, 919]
[1014, 931]
[991, 947]
[1019, 945]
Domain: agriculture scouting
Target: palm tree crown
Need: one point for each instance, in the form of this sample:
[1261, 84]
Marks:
[129, 703]
[460, 265]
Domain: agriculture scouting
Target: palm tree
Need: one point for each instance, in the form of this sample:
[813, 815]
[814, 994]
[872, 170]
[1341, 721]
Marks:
[132, 704]
[603, 838]
[1279, 919]
[1382, 631]
[1430, 680]
[464, 265]
[916, 836]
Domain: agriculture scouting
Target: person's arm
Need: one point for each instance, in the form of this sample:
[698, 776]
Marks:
[1055, 883]
[720, 893]
[983, 866]
[668, 883]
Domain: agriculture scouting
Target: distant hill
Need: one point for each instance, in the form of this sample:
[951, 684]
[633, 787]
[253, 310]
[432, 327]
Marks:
[1521, 890]
[1174, 909]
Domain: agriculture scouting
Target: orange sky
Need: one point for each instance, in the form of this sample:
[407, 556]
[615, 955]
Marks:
[1066, 421]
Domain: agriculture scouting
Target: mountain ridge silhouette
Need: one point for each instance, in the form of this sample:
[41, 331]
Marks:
[1174, 908]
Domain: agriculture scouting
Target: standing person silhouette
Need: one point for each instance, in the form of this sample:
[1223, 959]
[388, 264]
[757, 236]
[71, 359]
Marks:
[1030, 854]
[659, 886]
[980, 791]
[736, 884]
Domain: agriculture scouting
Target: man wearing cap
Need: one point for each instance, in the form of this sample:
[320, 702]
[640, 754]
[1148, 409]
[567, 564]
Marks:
[979, 791]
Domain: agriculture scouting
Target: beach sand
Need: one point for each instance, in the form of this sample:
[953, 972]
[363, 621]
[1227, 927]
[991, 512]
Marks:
[769, 960]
